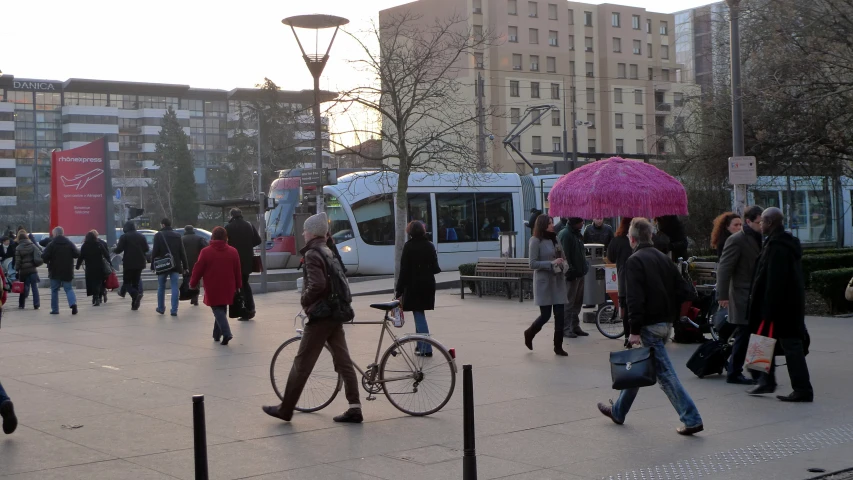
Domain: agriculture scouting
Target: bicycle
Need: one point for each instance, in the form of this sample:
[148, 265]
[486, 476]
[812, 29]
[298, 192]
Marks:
[608, 321]
[414, 383]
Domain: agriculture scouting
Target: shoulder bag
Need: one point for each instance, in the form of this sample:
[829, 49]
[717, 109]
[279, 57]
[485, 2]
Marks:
[37, 260]
[165, 263]
[633, 368]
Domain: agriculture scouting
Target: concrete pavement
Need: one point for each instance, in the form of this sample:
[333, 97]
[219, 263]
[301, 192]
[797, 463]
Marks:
[126, 379]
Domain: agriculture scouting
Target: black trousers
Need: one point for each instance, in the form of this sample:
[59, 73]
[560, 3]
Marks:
[132, 279]
[741, 335]
[798, 370]
[247, 293]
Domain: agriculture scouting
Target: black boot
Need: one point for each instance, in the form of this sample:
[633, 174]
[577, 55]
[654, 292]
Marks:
[529, 334]
[558, 336]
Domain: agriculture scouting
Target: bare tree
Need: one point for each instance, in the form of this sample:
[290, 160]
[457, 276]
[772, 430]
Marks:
[423, 90]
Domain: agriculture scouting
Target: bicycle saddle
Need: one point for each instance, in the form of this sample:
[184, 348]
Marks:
[386, 306]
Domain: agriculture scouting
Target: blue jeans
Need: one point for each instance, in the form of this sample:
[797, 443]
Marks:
[30, 281]
[161, 291]
[220, 321]
[422, 327]
[54, 293]
[655, 336]
[3, 396]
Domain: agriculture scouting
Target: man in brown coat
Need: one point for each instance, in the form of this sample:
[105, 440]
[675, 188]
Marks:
[319, 331]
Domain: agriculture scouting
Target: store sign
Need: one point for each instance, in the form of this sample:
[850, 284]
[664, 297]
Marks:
[78, 189]
[35, 85]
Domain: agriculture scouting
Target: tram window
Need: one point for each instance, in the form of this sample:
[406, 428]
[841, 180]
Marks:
[494, 214]
[457, 221]
[339, 224]
[420, 209]
[374, 217]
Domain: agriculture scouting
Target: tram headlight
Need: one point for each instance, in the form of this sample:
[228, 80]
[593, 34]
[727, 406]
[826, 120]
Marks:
[346, 249]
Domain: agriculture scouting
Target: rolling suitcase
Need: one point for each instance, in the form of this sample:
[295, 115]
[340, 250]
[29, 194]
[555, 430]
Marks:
[709, 359]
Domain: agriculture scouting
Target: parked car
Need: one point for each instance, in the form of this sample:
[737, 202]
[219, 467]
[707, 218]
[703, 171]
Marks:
[205, 234]
[149, 237]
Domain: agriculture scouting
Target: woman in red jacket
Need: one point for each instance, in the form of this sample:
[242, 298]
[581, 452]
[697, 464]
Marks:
[219, 266]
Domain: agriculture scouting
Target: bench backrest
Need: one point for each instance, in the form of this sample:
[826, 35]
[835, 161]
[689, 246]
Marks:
[508, 266]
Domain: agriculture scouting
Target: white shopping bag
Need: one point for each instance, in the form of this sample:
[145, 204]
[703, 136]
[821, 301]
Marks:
[397, 316]
[759, 353]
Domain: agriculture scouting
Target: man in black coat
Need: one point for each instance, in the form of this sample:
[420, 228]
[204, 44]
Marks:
[243, 236]
[193, 243]
[59, 257]
[778, 298]
[134, 247]
[168, 241]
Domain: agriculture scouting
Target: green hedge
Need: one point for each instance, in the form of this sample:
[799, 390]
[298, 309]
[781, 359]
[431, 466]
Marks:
[830, 285]
[823, 251]
[469, 269]
[829, 261]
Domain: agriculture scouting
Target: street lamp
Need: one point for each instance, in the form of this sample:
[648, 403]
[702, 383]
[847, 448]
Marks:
[316, 63]
[737, 102]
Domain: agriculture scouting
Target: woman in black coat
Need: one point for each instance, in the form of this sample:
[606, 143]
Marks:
[93, 252]
[416, 283]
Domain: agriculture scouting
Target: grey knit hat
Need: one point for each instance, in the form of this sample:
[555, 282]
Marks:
[317, 225]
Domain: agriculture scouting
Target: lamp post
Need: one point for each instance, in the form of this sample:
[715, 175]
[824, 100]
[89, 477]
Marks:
[316, 63]
[737, 102]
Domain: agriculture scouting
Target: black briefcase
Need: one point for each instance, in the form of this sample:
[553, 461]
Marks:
[709, 359]
[633, 368]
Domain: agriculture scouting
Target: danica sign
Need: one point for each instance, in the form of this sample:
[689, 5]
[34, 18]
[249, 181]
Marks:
[33, 85]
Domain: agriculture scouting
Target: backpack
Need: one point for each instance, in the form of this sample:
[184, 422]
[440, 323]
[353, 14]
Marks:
[37, 260]
[338, 305]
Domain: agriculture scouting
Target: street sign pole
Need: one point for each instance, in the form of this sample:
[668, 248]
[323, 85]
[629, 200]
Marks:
[743, 171]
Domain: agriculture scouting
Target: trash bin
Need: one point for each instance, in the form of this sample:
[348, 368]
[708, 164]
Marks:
[594, 283]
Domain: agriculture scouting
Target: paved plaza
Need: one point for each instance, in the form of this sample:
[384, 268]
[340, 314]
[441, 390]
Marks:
[107, 394]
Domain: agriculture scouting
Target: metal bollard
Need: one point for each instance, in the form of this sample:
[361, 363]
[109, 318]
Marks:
[469, 457]
[199, 438]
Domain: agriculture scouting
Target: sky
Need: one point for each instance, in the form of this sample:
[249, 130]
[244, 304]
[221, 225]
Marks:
[191, 42]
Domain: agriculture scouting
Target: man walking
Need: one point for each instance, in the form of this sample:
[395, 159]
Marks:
[59, 256]
[243, 236]
[320, 264]
[168, 241]
[193, 243]
[598, 232]
[734, 277]
[651, 279]
[778, 299]
[134, 246]
[571, 241]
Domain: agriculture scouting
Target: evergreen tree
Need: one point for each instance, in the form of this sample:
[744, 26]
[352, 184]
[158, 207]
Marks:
[174, 182]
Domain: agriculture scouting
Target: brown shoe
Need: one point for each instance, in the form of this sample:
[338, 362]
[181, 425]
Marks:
[607, 411]
[273, 411]
[682, 430]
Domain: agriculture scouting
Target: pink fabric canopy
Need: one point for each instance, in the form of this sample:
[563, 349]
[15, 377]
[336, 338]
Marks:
[617, 187]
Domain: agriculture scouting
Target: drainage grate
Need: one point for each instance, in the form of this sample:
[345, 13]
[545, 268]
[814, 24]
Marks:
[727, 461]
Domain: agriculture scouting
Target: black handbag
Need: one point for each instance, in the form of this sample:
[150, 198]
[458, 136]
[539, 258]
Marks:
[185, 292]
[633, 368]
[237, 309]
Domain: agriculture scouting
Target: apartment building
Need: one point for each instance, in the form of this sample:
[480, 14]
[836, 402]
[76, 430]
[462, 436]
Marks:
[702, 45]
[610, 68]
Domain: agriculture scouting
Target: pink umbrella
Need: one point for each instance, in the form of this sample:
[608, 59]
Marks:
[617, 187]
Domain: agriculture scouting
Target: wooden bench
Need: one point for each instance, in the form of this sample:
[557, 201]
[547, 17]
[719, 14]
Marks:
[510, 271]
[704, 273]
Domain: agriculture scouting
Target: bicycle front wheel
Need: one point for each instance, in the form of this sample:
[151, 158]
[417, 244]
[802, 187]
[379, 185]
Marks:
[608, 322]
[417, 385]
[323, 384]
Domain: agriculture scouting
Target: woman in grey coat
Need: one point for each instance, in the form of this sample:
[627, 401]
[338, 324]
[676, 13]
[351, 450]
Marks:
[549, 288]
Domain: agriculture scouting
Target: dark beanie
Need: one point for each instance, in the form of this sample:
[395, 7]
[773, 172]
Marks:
[575, 220]
[189, 229]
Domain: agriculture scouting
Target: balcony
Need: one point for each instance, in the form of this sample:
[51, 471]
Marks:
[663, 107]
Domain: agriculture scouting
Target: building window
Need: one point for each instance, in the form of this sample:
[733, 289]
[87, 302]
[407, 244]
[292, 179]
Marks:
[534, 89]
[587, 19]
[517, 143]
[478, 59]
[663, 28]
[620, 146]
[533, 35]
[571, 42]
[571, 17]
[649, 49]
[534, 63]
[516, 61]
[635, 22]
[555, 118]
[478, 6]
[572, 67]
[635, 72]
[638, 47]
[512, 7]
[615, 19]
[587, 41]
[678, 99]
[537, 118]
[555, 91]
[553, 37]
[664, 52]
[638, 122]
[590, 95]
[618, 120]
[514, 115]
[590, 118]
[638, 97]
[664, 73]
[651, 73]
[617, 95]
[621, 70]
[648, 26]
[556, 144]
[552, 11]
[478, 33]
[617, 45]
[551, 63]
[513, 34]
[641, 148]
[537, 144]
[532, 9]
[590, 69]
[590, 145]
[513, 88]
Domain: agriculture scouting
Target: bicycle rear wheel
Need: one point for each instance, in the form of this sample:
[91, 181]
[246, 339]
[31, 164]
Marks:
[322, 386]
[414, 384]
[608, 322]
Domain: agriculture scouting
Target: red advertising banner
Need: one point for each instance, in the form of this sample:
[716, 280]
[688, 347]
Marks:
[78, 190]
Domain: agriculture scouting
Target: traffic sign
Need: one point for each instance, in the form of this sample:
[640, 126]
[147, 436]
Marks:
[313, 177]
[743, 171]
[118, 194]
